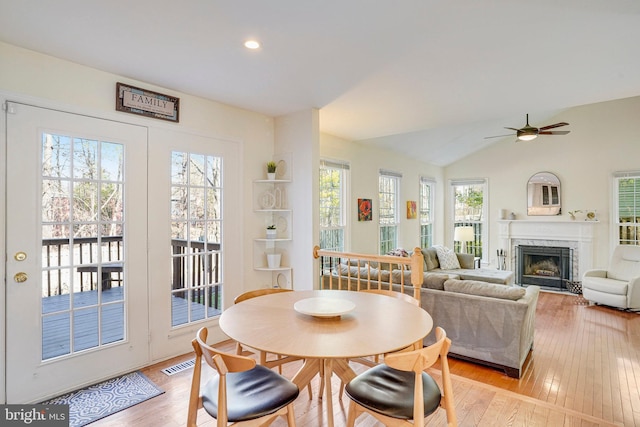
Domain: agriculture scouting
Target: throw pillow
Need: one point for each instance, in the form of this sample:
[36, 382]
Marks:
[401, 253]
[430, 259]
[447, 258]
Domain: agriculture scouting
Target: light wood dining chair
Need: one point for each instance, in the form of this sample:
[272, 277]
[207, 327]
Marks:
[243, 392]
[399, 392]
[265, 359]
[393, 294]
[372, 361]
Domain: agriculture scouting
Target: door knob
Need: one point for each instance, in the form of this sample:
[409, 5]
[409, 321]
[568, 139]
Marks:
[20, 277]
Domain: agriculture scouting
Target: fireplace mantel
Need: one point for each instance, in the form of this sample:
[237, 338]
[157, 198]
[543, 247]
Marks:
[578, 234]
[554, 230]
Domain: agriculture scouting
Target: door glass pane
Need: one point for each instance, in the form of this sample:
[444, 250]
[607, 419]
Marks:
[196, 224]
[82, 244]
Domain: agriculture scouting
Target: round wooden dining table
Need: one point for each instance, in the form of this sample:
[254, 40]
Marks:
[326, 328]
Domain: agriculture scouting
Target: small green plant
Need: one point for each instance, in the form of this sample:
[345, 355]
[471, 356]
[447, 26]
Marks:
[271, 227]
[271, 167]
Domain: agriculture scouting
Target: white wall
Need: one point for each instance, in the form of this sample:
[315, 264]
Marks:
[28, 76]
[48, 79]
[297, 133]
[603, 138]
[365, 163]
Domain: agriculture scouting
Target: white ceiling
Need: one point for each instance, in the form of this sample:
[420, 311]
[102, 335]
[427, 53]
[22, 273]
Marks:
[428, 78]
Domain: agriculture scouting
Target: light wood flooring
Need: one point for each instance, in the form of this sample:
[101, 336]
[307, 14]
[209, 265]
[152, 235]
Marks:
[584, 371]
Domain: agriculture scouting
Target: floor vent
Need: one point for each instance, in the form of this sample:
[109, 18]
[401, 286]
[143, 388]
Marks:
[179, 367]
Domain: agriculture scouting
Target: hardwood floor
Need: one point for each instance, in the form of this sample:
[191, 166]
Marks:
[584, 371]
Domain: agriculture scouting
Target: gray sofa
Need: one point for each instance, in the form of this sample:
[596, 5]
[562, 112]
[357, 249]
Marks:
[488, 323]
[467, 270]
[493, 331]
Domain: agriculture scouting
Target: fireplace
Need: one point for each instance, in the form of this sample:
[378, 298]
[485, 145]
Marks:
[548, 266]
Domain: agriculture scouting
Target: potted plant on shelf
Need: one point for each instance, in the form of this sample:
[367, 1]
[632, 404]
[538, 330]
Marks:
[271, 231]
[271, 170]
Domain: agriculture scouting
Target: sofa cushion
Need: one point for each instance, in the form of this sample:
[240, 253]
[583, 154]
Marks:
[401, 276]
[435, 281]
[354, 262]
[447, 258]
[606, 285]
[363, 271]
[502, 277]
[475, 287]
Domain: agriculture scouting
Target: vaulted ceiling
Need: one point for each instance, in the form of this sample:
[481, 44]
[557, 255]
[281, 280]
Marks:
[429, 78]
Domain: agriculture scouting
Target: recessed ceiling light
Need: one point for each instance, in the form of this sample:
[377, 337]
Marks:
[251, 44]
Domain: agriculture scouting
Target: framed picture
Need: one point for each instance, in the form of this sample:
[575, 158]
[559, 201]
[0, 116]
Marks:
[364, 210]
[147, 103]
[412, 210]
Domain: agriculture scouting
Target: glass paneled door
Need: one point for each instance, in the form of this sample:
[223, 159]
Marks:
[195, 249]
[76, 234]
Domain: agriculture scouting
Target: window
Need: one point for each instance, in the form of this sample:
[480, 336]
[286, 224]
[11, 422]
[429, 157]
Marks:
[388, 214]
[333, 205]
[426, 212]
[469, 206]
[627, 207]
[83, 223]
[196, 234]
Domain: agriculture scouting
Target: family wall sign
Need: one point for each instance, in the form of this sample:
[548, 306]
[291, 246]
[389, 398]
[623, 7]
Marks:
[147, 103]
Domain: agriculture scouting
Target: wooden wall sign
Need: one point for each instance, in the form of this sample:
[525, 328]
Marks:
[147, 103]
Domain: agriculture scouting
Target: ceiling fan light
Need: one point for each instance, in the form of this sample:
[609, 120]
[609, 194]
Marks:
[527, 136]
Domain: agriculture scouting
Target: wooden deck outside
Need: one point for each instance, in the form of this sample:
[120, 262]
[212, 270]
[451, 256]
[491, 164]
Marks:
[56, 330]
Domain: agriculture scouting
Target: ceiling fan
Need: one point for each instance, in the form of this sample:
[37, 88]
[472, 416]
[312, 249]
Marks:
[528, 133]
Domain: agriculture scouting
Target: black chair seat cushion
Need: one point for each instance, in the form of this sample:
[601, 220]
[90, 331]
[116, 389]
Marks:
[250, 394]
[389, 391]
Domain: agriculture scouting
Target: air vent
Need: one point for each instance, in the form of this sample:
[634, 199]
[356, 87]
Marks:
[183, 366]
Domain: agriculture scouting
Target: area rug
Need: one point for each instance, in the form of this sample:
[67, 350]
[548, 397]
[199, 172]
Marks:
[106, 398]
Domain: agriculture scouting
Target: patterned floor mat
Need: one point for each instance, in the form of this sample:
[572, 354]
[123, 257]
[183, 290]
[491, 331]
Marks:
[108, 397]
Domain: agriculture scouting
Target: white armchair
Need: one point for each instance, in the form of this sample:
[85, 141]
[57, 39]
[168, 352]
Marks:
[619, 285]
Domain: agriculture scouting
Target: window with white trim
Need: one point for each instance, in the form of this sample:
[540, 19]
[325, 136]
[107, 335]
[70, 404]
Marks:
[333, 204]
[388, 209]
[427, 186]
[469, 209]
[627, 207]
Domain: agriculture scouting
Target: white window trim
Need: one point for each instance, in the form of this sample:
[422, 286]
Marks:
[396, 223]
[346, 196]
[432, 184]
[614, 224]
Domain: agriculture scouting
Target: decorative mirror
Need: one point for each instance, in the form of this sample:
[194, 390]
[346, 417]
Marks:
[543, 194]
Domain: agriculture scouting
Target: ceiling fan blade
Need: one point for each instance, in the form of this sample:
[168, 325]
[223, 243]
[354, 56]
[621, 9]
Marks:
[512, 129]
[557, 132]
[556, 125]
[499, 136]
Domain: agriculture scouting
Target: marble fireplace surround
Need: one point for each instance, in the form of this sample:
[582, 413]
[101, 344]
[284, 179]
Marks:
[577, 235]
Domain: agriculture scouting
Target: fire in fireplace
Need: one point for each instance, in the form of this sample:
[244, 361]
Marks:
[547, 266]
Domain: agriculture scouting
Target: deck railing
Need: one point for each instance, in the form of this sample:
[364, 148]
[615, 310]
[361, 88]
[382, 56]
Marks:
[189, 265]
[192, 273]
